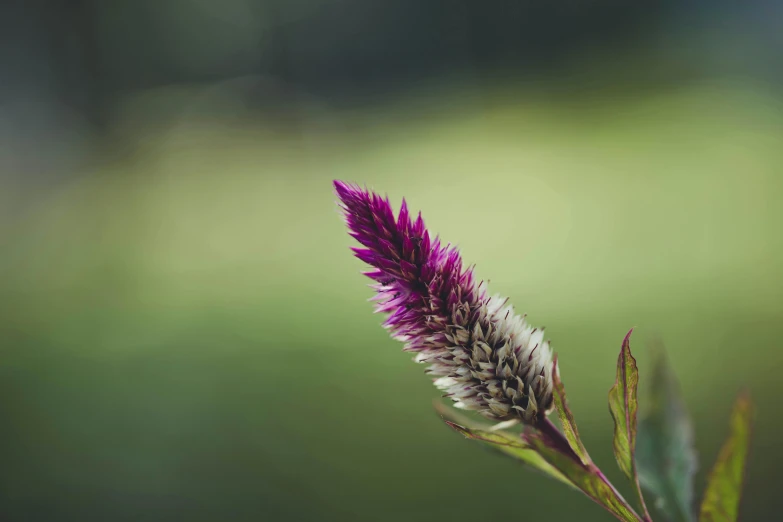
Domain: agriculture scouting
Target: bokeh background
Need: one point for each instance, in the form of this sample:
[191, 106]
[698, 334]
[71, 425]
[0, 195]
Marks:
[184, 334]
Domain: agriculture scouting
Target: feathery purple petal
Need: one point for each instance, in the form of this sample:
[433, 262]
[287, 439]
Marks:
[484, 356]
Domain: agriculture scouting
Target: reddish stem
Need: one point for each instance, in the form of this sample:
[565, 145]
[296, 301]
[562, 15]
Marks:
[558, 440]
[556, 437]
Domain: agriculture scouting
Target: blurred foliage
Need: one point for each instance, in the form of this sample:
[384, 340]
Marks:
[724, 487]
[665, 456]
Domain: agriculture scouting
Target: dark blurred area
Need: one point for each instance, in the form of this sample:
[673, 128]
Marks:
[87, 54]
[68, 65]
[183, 332]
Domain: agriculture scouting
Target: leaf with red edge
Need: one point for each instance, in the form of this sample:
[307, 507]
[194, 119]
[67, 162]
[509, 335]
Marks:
[566, 417]
[508, 444]
[623, 405]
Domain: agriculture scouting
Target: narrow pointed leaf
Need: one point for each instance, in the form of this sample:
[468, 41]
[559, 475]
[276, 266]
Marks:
[505, 443]
[724, 486]
[587, 478]
[665, 455]
[566, 417]
[623, 405]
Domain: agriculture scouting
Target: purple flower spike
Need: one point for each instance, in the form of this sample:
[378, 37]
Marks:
[485, 357]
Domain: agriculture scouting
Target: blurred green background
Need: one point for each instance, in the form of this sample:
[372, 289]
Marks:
[184, 334]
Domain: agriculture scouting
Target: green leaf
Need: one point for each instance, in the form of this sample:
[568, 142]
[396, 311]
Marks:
[665, 455]
[505, 443]
[587, 478]
[623, 405]
[566, 417]
[724, 486]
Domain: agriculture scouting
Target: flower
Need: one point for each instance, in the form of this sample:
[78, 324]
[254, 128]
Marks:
[485, 357]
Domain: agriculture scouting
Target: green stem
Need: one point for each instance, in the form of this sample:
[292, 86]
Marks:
[646, 514]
